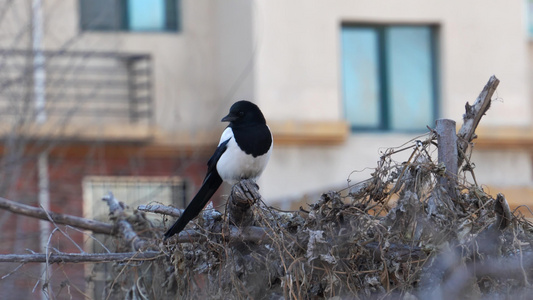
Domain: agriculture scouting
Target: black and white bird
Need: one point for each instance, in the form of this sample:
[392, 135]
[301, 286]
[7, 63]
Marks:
[242, 153]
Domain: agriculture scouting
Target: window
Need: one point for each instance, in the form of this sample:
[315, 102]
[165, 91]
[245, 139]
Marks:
[529, 5]
[133, 191]
[389, 76]
[129, 15]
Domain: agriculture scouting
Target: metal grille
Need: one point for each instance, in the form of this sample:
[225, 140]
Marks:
[131, 190]
[91, 86]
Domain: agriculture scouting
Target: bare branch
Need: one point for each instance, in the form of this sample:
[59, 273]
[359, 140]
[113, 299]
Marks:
[35, 212]
[161, 209]
[503, 212]
[117, 213]
[247, 234]
[473, 115]
[243, 195]
[447, 152]
[79, 257]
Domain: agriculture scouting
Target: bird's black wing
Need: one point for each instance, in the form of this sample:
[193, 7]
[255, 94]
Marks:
[212, 162]
[210, 185]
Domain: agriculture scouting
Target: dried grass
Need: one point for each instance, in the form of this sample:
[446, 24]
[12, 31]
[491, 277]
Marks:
[399, 234]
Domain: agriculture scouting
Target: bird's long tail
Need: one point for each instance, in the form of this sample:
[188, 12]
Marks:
[209, 187]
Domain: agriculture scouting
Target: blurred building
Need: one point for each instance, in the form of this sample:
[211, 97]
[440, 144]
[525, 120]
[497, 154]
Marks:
[100, 95]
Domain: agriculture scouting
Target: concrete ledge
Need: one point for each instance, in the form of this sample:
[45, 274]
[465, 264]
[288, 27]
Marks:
[515, 196]
[285, 133]
[306, 133]
[52, 131]
[504, 138]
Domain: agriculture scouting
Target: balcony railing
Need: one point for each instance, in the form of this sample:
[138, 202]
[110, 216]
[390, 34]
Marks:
[81, 87]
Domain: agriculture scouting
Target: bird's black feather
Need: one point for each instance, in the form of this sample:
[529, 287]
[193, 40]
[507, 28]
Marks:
[243, 152]
[255, 140]
[210, 185]
[212, 162]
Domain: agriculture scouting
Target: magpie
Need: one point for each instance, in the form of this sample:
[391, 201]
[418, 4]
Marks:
[242, 153]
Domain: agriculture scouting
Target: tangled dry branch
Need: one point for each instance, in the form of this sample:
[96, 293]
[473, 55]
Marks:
[399, 233]
[414, 229]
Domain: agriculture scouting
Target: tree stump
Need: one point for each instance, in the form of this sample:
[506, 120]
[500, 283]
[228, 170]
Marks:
[244, 194]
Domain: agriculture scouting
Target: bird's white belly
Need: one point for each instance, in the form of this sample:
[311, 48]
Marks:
[235, 165]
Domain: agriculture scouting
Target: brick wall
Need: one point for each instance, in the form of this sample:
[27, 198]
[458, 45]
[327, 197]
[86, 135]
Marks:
[67, 169]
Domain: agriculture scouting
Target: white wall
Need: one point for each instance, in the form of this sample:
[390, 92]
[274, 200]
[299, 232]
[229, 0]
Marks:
[284, 55]
[298, 78]
[295, 171]
[503, 168]
[185, 87]
[299, 68]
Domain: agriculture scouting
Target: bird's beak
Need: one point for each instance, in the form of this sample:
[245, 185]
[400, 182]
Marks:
[229, 118]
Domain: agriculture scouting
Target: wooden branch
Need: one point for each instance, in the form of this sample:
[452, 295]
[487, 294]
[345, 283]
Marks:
[504, 216]
[447, 152]
[117, 213]
[447, 141]
[161, 209]
[37, 212]
[79, 257]
[399, 252]
[247, 234]
[243, 195]
[473, 115]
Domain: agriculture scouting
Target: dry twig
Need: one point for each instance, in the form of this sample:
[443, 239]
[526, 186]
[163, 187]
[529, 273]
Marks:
[35, 212]
[473, 115]
[80, 257]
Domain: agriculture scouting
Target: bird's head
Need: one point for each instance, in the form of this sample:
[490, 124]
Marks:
[244, 113]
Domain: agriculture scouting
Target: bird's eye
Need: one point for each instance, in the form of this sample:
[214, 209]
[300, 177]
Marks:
[241, 113]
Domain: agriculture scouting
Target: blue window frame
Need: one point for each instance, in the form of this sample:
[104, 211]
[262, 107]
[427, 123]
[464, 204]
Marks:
[129, 15]
[389, 76]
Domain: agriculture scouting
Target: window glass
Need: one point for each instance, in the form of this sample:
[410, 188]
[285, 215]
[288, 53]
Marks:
[360, 68]
[388, 76]
[129, 15]
[100, 15]
[133, 191]
[409, 71]
[146, 15]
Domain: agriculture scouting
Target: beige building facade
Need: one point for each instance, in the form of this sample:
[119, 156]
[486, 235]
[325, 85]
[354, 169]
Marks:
[287, 57]
[127, 95]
